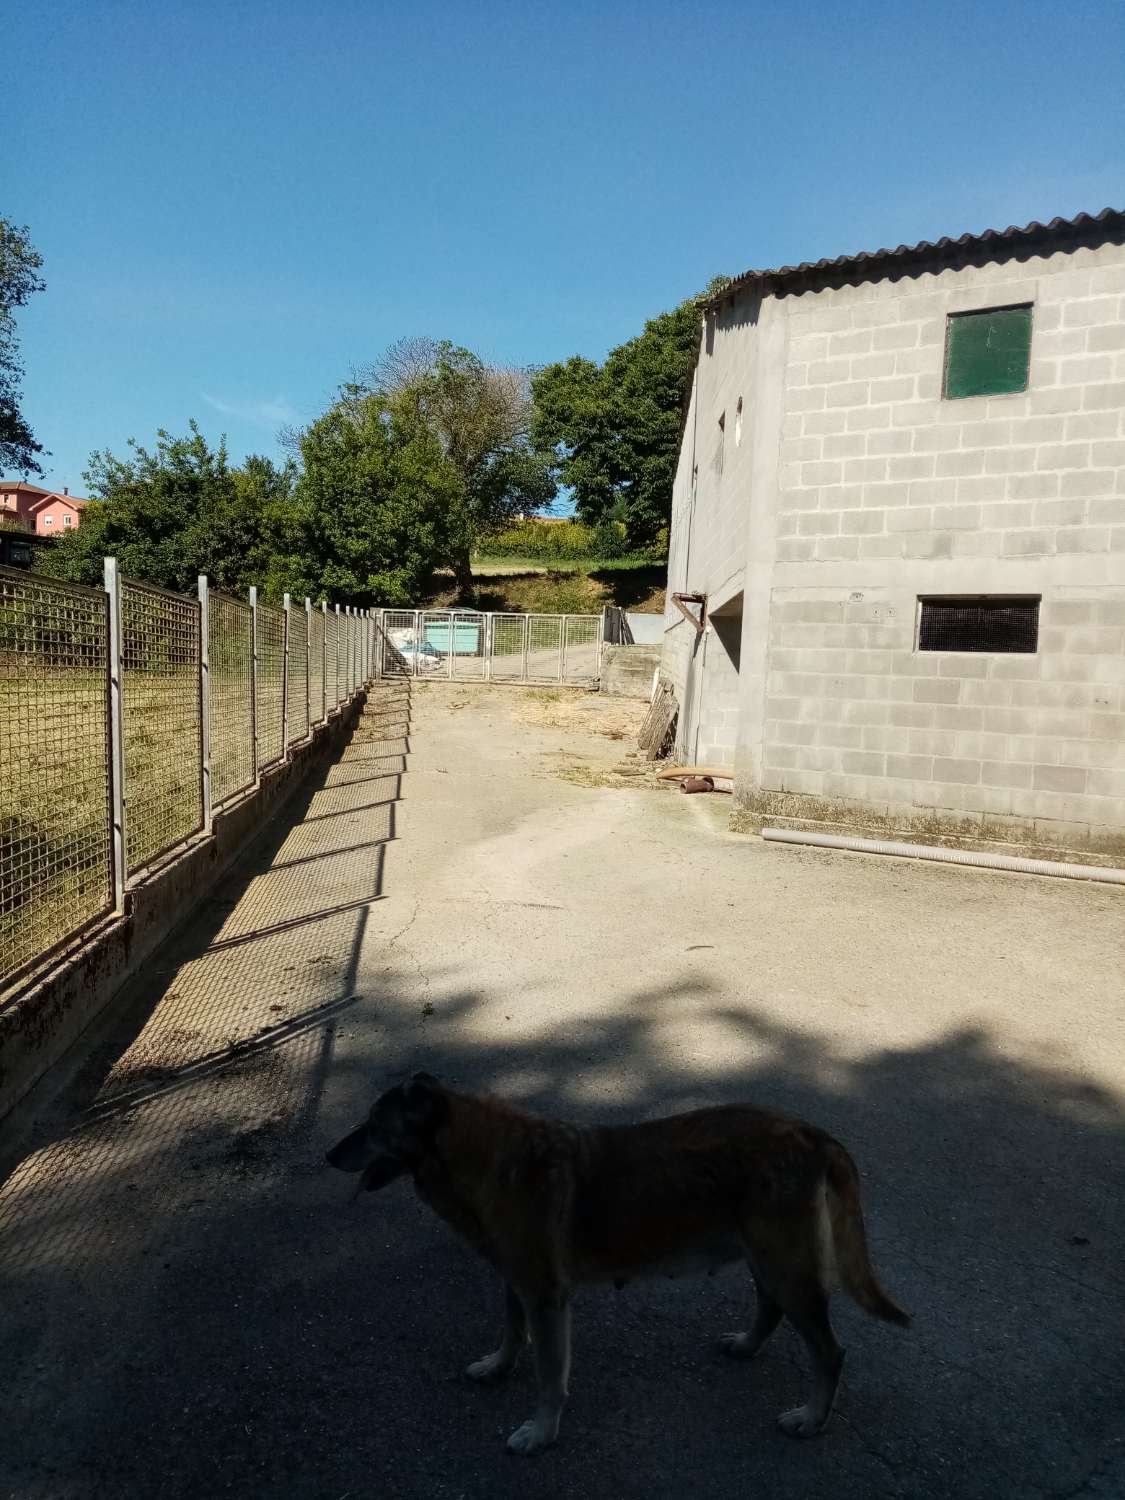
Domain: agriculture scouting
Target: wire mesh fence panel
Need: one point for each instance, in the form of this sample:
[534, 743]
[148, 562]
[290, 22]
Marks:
[331, 639]
[269, 699]
[508, 654]
[316, 665]
[55, 847]
[232, 718]
[544, 648]
[465, 641]
[581, 648]
[297, 682]
[397, 642]
[161, 714]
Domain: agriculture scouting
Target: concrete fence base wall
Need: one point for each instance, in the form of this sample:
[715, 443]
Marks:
[626, 671]
[39, 1026]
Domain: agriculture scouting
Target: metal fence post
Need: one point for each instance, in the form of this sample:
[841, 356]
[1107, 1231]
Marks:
[488, 622]
[254, 675]
[285, 602]
[308, 664]
[205, 701]
[116, 733]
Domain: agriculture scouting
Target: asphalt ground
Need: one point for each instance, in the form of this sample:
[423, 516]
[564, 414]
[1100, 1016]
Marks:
[192, 1304]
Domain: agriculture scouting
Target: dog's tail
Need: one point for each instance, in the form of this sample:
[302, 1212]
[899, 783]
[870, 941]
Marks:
[849, 1240]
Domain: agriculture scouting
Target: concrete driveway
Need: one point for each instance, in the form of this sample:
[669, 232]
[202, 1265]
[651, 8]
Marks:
[191, 1305]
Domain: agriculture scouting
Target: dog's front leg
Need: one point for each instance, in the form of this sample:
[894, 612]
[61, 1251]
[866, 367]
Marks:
[548, 1318]
[493, 1366]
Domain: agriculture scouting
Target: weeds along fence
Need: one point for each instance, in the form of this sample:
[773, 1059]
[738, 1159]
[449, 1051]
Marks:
[128, 716]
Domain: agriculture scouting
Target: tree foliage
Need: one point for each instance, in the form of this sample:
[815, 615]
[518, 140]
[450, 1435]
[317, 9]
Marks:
[614, 428]
[481, 417]
[379, 503]
[19, 279]
[178, 511]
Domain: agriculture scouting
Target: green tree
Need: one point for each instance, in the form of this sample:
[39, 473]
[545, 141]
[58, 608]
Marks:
[481, 417]
[379, 503]
[614, 428]
[176, 512]
[19, 279]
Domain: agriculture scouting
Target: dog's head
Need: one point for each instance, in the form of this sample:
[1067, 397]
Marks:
[396, 1134]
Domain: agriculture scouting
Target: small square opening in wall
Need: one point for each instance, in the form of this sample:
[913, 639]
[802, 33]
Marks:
[984, 622]
[987, 353]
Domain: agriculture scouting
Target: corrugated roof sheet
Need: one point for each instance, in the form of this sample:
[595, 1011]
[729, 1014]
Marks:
[998, 244]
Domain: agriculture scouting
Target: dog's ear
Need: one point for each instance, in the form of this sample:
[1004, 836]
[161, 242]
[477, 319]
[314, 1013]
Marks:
[421, 1100]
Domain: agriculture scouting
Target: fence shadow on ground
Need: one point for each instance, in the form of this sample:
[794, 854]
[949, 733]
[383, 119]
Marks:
[271, 951]
[193, 1300]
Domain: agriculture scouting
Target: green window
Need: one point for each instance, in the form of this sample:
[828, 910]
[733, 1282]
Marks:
[987, 353]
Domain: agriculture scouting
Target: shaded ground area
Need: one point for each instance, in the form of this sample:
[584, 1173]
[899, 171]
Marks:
[192, 1306]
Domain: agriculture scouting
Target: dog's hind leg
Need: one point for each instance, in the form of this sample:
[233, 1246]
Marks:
[549, 1320]
[503, 1361]
[789, 1266]
[768, 1316]
[807, 1309]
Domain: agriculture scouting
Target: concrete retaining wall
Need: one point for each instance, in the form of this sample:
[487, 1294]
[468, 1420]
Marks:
[627, 670]
[38, 1027]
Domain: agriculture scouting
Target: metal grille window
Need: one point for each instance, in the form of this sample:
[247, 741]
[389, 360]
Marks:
[55, 848]
[232, 720]
[161, 712]
[298, 678]
[269, 699]
[988, 623]
[987, 353]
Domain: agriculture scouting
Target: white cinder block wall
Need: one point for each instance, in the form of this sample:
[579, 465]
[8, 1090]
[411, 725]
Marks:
[869, 489]
[708, 541]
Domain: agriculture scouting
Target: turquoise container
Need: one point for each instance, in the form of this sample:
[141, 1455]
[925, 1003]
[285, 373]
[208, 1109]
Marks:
[465, 637]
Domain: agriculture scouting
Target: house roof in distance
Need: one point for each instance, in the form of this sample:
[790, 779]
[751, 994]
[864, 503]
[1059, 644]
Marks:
[969, 249]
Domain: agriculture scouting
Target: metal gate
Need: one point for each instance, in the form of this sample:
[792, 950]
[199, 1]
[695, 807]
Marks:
[462, 645]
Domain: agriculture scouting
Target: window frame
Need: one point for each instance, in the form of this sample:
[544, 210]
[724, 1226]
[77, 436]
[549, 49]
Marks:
[976, 312]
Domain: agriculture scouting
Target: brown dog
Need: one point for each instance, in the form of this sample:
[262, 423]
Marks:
[555, 1207]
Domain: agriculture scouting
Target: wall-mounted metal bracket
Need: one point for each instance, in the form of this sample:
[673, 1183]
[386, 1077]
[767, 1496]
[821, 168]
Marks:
[681, 601]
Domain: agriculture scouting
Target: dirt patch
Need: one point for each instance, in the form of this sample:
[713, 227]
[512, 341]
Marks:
[625, 776]
[612, 718]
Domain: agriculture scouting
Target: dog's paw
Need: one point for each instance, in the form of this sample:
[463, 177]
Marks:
[491, 1367]
[799, 1422]
[737, 1345]
[532, 1437]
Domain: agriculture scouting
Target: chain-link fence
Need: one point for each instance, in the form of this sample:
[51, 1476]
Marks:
[56, 874]
[110, 754]
[469, 646]
[231, 646]
[161, 713]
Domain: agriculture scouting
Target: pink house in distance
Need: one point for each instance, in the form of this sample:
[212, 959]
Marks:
[32, 508]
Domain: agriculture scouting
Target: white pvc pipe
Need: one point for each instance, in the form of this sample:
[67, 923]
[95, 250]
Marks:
[945, 856]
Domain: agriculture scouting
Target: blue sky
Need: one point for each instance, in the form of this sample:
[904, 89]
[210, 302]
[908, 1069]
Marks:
[239, 201]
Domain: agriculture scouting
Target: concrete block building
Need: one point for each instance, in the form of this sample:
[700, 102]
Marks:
[901, 496]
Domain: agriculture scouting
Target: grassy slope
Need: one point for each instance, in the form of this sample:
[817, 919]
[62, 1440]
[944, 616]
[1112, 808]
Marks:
[569, 588]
